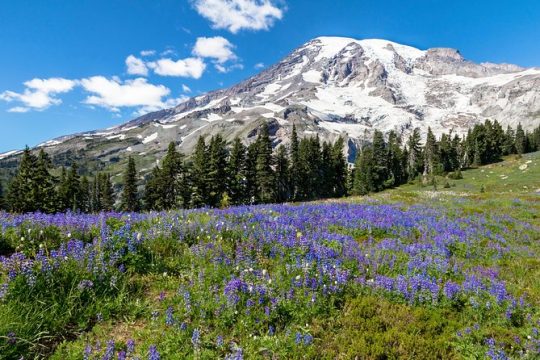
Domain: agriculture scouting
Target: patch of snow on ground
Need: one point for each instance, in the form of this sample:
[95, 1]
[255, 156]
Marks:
[150, 138]
[312, 76]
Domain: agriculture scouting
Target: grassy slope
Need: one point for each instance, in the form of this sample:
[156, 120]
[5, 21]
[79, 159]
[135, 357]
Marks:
[376, 326]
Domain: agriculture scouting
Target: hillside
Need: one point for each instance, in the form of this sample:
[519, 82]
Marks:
[413, 272]
[329, 87]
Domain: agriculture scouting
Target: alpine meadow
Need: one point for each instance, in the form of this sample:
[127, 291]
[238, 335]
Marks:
[358, 199]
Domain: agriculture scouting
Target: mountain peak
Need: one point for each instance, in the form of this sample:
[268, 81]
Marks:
[332, 87]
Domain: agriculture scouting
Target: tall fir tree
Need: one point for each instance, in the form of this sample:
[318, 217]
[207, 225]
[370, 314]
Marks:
[21, 192]
[380, 173]
[152, 191]
[363, 182]
[45, 196]
[130, 194]
[217, 170]
[431, 156]
[106, 192]
[85, 195]
[263, 167]
[520, 140]
[199, 168]
[283, 186]
[236, 173]
[170, 183]
[339, 166]
[251, 172]
[3, 204]
[414, 161]
[509, 141]
[295, 163]
[72, 194]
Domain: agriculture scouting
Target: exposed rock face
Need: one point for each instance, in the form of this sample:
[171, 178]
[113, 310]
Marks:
[332, 87]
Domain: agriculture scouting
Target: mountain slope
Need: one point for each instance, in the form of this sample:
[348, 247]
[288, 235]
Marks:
[330, 86]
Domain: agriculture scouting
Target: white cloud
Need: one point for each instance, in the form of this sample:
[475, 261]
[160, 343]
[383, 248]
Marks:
[225, 69]
[114, 94]
[136, 66]
[259, 65]
[169, 103]
[148, 52]
[186, 88]
[190, 67]
[18, 109]
[235, 15]
[39, 94]
[217, 48]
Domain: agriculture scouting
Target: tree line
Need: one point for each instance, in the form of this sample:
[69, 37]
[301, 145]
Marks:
[385, 163]
[218, 175]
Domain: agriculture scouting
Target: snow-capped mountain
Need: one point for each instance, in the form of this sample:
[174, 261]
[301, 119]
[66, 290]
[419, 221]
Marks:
[332, 86]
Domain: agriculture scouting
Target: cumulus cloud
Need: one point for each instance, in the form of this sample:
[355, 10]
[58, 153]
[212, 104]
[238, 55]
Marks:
[136, 66]
[186, 88]
[39, 94]
[217, 48]
[114, 94]
[148, 52]
[190, 67]
[225, 69]
[236, 15]
[259, 66]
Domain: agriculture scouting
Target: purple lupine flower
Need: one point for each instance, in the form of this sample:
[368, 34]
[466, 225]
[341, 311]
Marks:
[169, 318]
[153, 353]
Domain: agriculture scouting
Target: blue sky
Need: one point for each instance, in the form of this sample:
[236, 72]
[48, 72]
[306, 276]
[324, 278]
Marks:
[65, 63]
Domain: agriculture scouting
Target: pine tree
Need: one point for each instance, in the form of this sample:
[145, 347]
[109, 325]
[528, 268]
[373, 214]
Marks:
[431, 158]
[73, 188]
[283, 187]
[397, 173]
[380, 161]
[414, 160]
[339, 166]
[363, 182]
[263, 167]
[130, 196]
[327, 175]
[170, 181]
[236, 173]
[295, 163]
[21, 192]
[251, 173]
[44, 193]
[106, 193]
[520, 140]
[199, 194]
[217, 170]
[151, 190]
[85, 193]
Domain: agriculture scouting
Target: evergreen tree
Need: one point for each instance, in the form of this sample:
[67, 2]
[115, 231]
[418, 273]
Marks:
[44, 193]
[236, 173]
[339, 166]
[217, 170]
[414, 160]
[397, 173]
[326, 170]
[295, 163]
[21, 192]
[105, 192]
[509, 142]
[380, 173]
[520, 140]
[251, 172]
[431, 158]
[363, 182]
[170, 184]
[152, 194]
[130, 196]
[199, 194]
[263, 167]
[73, 188]
[85, 195]
[283, 187]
